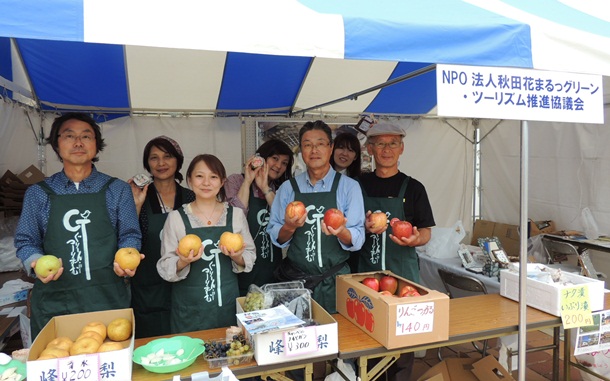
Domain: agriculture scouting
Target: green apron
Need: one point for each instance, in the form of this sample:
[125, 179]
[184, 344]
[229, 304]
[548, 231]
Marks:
[312, 251]
[268, 255]
[79, 232]
[379, 252]
[150, 294]
[206, 298]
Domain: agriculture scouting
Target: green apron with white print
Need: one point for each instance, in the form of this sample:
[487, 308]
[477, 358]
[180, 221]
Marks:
[151, 294]
[268, 256]
[312, 251]
[379, 252]
[79, 232]
[205, 299]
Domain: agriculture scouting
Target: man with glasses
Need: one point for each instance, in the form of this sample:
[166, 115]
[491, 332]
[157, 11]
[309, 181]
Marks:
[317, 252]
[399, 196]
[83, 217]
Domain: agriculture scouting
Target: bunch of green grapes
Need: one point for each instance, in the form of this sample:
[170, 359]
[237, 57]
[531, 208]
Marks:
[254, 301]
[239, 346]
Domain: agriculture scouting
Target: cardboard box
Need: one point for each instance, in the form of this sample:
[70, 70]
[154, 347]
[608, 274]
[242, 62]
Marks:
[9, 178]
[467, 369]
[115, 365]
[272, 347]
[394, 322]
[541, 227]
[31, 175]
[507, 234]
[545, 296]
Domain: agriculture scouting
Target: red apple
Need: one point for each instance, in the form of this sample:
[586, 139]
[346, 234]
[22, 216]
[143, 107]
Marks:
[349, 305]
[386, 293]
[369, 321]
[295, 209]
[388, 283]
[409, 291]
[401, 229]
[360, 312]
[371, 283]
[379, 220]
[334, 218]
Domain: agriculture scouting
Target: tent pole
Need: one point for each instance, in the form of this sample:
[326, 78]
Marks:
[523, 249]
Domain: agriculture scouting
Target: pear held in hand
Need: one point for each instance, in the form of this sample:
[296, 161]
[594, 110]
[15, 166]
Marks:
[127, 258]
[47, 265]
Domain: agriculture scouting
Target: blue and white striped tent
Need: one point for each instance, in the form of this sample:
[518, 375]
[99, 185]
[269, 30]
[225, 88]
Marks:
[280, 57]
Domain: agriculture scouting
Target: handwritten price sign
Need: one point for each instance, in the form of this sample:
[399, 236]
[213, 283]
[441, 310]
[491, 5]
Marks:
[576, 307]
[414, 318]
[300, 341]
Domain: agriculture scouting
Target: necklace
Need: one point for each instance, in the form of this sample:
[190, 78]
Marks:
[164, 208]
[211, 215]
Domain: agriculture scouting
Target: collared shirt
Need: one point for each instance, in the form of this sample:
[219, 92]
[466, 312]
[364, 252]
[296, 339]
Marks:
[32, 226]
[349, 201]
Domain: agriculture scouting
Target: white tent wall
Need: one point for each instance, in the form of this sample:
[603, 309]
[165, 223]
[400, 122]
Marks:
[436, 152]
[568, 170]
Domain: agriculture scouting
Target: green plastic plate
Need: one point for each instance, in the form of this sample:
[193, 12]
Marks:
[191, 347]
[21, 368]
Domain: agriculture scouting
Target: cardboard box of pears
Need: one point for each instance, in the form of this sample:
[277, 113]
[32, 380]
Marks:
[82, 345]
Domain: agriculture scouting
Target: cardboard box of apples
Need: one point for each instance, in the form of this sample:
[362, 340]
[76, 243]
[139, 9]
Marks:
[87, 346]
[393, 310]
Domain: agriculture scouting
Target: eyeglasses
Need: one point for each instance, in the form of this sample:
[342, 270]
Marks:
[382, 146]
[84, 138]
[318, 146]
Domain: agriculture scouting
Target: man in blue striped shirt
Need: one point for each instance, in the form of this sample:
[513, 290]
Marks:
[83, 217]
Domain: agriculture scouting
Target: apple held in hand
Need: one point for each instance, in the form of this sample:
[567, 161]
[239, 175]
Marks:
[47, 265]
[295, 209]
[334, 218]
[372, 283]
[388, 283]
[379, 220]
[409, 291]
[401, 229]
[232, 241]
[187, 243]
[257, 162]
[127, 258]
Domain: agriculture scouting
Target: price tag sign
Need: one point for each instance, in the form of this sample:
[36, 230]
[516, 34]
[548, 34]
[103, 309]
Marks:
[300, 341]
[414, 318]
[575, 307]
[83, 367]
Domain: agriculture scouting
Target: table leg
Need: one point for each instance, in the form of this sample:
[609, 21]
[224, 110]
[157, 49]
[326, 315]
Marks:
[566, 354]
[556, 349]
[384, 363]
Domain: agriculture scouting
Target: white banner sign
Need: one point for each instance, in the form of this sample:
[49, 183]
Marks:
[521, 94]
